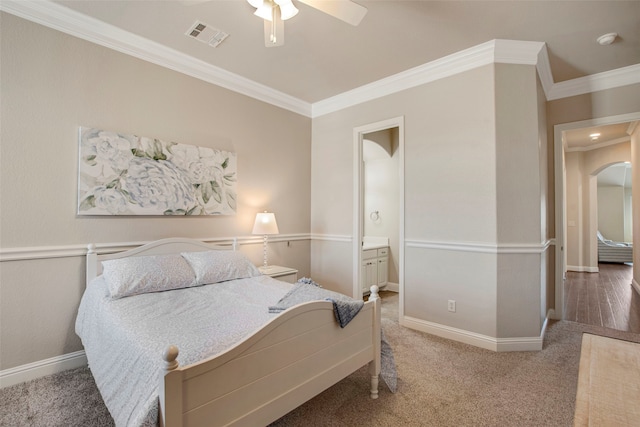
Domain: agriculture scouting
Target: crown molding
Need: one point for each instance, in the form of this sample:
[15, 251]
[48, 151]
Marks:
[602, 144]
[68, 21]
[544, 71]
[601, 81]
[501, 51]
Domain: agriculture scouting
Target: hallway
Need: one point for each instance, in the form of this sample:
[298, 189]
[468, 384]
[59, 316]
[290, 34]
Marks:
[604, 299]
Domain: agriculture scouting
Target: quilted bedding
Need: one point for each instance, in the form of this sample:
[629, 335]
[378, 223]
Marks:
[124, 338]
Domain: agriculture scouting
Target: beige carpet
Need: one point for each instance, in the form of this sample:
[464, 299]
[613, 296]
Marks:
[608, 383]
[441, 383]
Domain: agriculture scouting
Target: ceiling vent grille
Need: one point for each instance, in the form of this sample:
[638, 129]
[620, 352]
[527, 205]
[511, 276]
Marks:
[206, 34]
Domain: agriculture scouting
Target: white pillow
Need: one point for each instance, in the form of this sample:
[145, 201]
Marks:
[153, 273]
[219, 266]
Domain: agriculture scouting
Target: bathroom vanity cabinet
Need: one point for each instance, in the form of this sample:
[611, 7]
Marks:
[374, 268]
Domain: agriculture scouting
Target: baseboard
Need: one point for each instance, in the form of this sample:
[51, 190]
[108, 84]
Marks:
[582, 269]
[636, 285]
[393, 287]
[42, 368]
[477, 340]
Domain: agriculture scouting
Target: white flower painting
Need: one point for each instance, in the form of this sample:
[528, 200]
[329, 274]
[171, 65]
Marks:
[133, 175]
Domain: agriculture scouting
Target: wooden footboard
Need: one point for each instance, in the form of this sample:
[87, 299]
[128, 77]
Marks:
[296, 356]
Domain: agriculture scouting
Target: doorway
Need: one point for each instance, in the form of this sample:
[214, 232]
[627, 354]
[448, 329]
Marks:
[563, 224]
[375, 215]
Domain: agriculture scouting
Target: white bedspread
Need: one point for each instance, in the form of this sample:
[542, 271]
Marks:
[124, 339]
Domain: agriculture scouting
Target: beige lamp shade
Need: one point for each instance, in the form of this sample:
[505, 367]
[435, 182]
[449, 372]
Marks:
[265, 224]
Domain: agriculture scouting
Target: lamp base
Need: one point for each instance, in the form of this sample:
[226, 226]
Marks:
[266, 269]
[264, 252]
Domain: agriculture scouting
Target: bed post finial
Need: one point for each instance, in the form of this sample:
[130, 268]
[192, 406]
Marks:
[374, 293]
[91, 248]
[169, 356]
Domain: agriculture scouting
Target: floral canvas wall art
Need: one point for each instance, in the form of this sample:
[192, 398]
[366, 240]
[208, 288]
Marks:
[123, 174]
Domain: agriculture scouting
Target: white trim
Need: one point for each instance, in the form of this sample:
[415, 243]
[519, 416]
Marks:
[31, 371]
[544, 71]
[252, 240]
[93, 30]
[600, 145]
[582, 269]
[48, 252]
[504, 51]
[636, 285]
[64, 251]
[41, 252]
[68, 21]
[332, 237]
[475, 339]
[392, 287]
[601, 81]
[490, 248]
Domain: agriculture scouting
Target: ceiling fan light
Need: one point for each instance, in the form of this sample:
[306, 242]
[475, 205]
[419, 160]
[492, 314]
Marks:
[287, 9]
[265, 11]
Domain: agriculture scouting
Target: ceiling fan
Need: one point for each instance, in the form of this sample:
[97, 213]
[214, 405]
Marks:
[275, 12]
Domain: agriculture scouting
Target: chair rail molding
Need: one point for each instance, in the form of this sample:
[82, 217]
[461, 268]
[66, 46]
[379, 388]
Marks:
[74, 250]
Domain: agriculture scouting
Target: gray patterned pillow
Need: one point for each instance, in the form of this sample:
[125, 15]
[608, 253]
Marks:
[219, 266]
[153, 273]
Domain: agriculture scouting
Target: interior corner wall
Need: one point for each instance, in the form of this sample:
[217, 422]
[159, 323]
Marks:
[51, 83]
[521, 217]
[449, 172]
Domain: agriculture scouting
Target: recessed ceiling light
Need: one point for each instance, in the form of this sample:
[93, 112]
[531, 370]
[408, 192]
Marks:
[607, 39]
[594, 136]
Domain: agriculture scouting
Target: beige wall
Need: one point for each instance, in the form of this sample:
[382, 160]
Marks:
[52, 83]
[521, 184]
[611, 212]
[472, 181]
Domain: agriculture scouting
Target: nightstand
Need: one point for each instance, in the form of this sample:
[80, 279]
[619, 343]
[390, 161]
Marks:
[284, 274]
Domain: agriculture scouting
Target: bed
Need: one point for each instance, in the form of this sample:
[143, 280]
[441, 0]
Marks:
[156, 361]
[610, 251]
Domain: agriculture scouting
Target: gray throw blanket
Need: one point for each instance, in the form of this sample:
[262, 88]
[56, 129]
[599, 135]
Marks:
[305, 290]
[345, 309]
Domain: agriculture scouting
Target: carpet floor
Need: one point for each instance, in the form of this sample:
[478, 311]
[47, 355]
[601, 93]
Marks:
[440, 383]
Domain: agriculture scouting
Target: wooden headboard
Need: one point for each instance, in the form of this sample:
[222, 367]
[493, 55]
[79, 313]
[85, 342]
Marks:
[173, 245]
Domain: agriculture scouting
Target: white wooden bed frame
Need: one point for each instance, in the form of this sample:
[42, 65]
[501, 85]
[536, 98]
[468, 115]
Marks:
[293, 358]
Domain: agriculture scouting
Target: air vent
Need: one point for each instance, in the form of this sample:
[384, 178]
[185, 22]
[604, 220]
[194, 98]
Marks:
[206, 34]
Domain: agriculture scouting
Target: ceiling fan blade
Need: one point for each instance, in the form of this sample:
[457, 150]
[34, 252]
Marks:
[345, 10]
[274, 31]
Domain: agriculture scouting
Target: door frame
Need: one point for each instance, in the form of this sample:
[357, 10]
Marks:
[560, 199]
[358, 202]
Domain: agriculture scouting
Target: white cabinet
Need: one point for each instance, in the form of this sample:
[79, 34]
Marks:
[374, 270]
[383, 267]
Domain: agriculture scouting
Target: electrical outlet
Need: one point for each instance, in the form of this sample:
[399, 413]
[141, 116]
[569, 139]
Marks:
[451, 306]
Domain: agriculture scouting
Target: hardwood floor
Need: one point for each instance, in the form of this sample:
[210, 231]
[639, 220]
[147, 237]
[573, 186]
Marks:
[604, 299]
